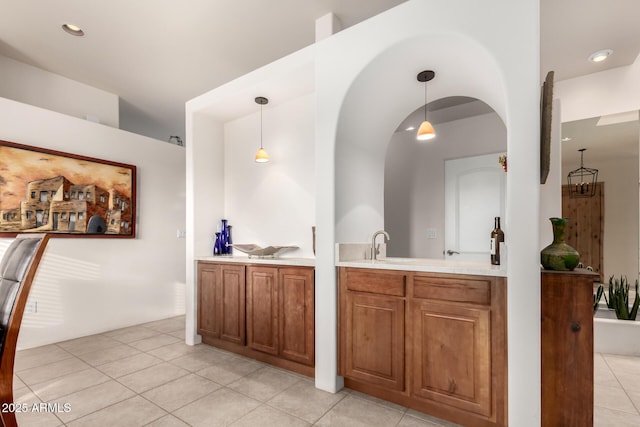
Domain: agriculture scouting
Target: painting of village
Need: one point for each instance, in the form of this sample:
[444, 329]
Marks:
[66, 194]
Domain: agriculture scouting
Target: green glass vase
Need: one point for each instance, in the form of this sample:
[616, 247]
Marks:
[558, 255]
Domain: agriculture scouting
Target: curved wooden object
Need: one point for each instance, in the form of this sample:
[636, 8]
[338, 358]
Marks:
[25, 252]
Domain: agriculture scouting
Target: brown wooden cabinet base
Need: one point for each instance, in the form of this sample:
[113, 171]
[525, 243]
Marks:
[432, 342]
[567, 348]
[265, 312]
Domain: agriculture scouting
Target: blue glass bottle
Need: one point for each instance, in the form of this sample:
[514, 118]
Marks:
[216, 245]
[229, 242]
[223, 237]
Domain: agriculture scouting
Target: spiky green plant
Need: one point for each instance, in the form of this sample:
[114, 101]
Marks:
[613, 285]
[621, 298]
[596, 298]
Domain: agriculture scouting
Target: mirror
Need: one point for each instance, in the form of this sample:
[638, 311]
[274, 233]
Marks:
[414, 175]
[609, 234]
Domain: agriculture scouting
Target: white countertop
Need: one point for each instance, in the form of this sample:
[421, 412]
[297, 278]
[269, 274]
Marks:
[428, 265]
[299, 262]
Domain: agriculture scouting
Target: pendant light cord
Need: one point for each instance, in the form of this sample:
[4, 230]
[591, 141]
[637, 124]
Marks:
[425, 101]
[261, 126]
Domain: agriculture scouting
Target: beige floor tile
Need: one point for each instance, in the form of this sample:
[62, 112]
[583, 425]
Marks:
[128, 365]
[380, 402]
[231, 369]
[17, 383]
[202, 359]
[93, 399]
[166, 325]
[88, 344]
[180, 334]
[116, 352]
[173, 351]
[67, 384]
[604, 417]
[34, 357]
[623, 365]
[135, 411]
[168, 421]
[305, 401]
[32, 414]
[131, 334]
[220, 408]
[354, 412]
[602, 374]
[154, 342]
[51, 371]
[430, 420]
[409, 421]
[152, 377]
[180, 392]
[613, 398]
[264, 383]
[265, 416]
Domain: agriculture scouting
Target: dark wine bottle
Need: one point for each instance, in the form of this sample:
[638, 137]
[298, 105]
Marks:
[497, 236]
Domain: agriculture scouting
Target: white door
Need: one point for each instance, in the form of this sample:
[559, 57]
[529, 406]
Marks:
[474, 195]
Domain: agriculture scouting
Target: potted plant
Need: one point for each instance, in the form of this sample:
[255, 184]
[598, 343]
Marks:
[619, 298]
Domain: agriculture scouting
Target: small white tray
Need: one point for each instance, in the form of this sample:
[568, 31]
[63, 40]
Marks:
[257, 251]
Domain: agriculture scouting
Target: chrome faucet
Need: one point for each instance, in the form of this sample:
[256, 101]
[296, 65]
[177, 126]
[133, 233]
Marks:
[374, 251]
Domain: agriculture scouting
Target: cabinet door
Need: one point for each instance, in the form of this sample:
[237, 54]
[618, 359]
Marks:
[262, 309]
[374, 339]
[296, 314]
[209, 299]
[232, 303]
[452, 355]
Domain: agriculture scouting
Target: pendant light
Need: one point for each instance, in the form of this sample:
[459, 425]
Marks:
[426, 131]
[261, 155]
[582, 181]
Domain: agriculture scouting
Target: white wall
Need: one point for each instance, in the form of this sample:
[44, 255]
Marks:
[273, 203]
[85, 285]
[414, 180]
[25, 83]
[365, 85]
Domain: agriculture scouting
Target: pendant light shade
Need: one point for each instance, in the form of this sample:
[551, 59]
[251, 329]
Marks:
[582, 181]
[426, 131]
[261, 155]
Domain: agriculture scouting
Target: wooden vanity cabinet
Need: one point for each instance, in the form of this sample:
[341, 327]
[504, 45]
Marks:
[432, 342]
[280, 312]
[221, 301]
[454, 362]
[372, 328]
[263, 312]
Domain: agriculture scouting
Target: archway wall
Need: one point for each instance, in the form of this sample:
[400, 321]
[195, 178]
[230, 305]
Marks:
[365, 85]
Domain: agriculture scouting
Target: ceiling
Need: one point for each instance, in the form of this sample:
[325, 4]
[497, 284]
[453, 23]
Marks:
[157, 54]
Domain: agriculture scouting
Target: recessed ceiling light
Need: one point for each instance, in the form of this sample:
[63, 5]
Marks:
[74, 30]
[565, 139]
[410, 128]
[600, 55]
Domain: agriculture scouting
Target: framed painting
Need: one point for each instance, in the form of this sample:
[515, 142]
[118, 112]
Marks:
[67, 195]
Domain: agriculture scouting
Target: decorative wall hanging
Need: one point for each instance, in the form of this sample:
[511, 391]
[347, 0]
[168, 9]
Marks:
[65, 194]
[546, 104]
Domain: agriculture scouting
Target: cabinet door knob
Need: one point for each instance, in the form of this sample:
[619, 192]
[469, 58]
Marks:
[575, 327]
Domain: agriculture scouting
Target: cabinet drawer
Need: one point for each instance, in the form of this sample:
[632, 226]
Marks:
[376, 282]
[468, 290]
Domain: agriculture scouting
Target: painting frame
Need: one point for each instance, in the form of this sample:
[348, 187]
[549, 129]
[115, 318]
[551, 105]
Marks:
[546, 110]
[65, 194]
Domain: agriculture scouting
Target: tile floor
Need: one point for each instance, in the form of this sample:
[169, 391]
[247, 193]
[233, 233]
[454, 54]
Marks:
[146, 376]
